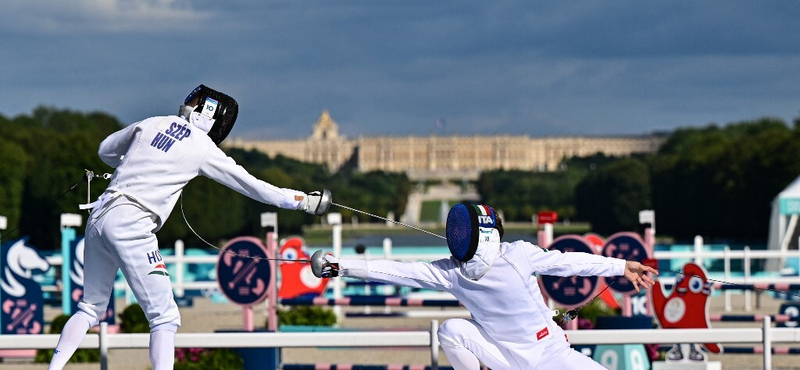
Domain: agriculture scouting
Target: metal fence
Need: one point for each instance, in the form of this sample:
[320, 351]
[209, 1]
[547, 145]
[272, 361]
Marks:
[180, 260]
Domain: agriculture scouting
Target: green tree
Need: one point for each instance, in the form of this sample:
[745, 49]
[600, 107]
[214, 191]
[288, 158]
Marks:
[47, 152]
[521, 194]
[59, 165]
[59, 145]
[611, 198]
[379, 192]
[12, 183]
[719, 181]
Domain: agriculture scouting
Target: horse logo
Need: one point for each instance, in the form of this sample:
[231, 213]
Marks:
[21, 262]
[22, 301]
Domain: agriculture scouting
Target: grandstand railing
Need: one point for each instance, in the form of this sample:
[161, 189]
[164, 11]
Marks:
[180, 260]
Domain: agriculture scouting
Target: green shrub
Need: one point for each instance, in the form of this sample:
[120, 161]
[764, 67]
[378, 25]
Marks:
[307, 315]
[591, 312]
[595, 309]
[132, 320]
[203, 359]
[81, 355]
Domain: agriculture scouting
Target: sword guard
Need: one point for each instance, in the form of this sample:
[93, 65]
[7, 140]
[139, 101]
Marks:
[570, 315]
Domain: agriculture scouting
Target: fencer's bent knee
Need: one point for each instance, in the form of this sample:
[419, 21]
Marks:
[90, 317]
[91, 313]
[169, 326]
[171, 316]
[450, 332]
[160, 311]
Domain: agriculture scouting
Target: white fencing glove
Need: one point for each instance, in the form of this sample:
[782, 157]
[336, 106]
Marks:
[324, 265]
[317, 203]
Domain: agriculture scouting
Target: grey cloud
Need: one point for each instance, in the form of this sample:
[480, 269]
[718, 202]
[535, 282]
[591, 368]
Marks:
[395, 67]
[66, 18]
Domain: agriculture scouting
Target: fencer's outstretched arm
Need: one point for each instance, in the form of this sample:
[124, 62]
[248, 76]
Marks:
[223, 169]
[556, 263]
[434, 275]
[116, 145]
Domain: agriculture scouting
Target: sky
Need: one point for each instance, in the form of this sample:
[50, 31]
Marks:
[541, 68]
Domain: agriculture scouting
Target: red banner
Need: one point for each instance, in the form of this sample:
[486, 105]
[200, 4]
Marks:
[548, 217]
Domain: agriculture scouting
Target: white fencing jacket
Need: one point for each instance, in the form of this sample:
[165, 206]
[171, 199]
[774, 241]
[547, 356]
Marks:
[155, 158]
[505, 300]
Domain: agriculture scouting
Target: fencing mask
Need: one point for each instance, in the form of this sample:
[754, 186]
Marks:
[211, 111]
[467, 225]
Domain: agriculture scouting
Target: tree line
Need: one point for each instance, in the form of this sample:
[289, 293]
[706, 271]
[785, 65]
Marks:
[45, 154]
[715, 181]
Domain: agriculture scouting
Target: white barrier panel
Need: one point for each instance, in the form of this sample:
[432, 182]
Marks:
[399, 339]
[727, 255]
[391, 339]
[43, 341]
[765, 335]
[338, 339]
[233, 340]
[659, 336]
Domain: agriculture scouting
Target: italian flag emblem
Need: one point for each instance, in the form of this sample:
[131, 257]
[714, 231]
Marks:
[160, 269]
[485, 216]
[482, 210]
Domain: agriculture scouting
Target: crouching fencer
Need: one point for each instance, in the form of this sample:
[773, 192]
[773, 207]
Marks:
[511, 326]
[154, 159]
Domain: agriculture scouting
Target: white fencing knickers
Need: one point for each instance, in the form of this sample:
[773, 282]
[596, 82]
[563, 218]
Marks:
[119, 235]
[467, 345]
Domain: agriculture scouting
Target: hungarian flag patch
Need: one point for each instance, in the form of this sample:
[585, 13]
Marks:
[160, 269]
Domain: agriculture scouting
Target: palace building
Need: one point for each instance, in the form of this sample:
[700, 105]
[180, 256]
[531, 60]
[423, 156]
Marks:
[432, 156]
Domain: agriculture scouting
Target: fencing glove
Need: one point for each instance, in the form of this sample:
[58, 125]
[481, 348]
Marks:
[324, 265]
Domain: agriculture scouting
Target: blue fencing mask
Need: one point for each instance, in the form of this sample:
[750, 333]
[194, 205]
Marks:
[466, 224]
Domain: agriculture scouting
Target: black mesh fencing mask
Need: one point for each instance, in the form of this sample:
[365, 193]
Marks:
[216, 107]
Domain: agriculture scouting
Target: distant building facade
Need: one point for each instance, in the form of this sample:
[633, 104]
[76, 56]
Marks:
[435, 156]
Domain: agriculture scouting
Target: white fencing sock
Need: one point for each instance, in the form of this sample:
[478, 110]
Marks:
[162, 346]
[71, 337]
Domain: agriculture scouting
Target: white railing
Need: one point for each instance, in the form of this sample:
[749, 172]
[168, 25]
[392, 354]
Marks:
[105, 341]
[766, 335]
[747, 256]
[179, 260]
[697, 255]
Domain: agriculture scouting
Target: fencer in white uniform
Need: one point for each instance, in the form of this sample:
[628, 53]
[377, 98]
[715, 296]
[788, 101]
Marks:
[154, 159]
[511, 326]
